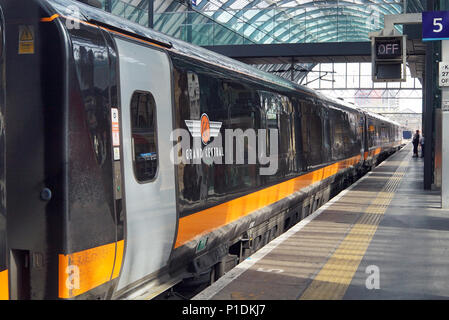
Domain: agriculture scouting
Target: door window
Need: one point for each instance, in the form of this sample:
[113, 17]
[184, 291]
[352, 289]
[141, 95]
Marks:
[144, 139]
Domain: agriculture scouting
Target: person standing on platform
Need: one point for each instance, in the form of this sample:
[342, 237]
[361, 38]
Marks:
[415, 142]
[421, 142]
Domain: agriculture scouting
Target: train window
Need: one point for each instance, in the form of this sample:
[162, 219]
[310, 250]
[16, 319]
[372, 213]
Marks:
[338, 127]
[194, 94]
[244, 112]
[143, 129]
[312, 126]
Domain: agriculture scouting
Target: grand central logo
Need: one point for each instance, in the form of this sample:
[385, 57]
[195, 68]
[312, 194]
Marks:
[203, 128]
[250, 145]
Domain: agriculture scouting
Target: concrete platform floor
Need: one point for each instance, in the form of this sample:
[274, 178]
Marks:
[384, 238]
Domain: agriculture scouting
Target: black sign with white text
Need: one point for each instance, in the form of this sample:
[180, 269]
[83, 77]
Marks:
[388, 48]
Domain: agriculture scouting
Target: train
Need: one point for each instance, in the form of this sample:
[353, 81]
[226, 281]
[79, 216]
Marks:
[99, 197]
[407, 134]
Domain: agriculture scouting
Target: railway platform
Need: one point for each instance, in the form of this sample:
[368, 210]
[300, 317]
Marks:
[382, 238]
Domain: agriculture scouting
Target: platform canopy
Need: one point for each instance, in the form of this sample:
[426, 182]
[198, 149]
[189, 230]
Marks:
[232, 24]
[217, 22]
[298, 21]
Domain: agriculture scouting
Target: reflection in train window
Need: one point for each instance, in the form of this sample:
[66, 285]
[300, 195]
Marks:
[143, 129]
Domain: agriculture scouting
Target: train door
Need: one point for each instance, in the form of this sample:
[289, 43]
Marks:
[146, 117]
[362, 130]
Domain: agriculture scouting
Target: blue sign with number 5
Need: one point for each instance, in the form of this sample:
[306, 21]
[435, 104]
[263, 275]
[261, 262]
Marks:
[435, 25]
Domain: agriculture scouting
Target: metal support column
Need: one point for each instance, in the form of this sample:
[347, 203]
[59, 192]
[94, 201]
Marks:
[189, 20]
[108, 5]
[292, 70]
[445, 134]
[428, 107]
[150, 14]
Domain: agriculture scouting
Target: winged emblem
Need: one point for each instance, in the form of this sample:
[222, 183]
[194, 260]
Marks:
[203, 128]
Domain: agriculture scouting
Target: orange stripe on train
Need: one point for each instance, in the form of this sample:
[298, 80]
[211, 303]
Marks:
[49, 19]
[207, 220]
[82, 271]
[4, 287]
[377, 151]
[53, 17]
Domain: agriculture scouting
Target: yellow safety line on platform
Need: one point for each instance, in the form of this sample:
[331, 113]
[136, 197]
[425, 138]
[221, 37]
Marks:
[336, 275]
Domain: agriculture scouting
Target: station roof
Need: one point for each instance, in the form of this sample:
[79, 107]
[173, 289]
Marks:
[267, 21]
[297, 21]
[248, 25]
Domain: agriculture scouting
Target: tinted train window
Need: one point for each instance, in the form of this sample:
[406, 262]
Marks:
[337, 120]
[244, 112]
[143, 130]
[312, 132]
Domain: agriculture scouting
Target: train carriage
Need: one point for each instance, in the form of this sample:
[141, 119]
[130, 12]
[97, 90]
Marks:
[95, 200]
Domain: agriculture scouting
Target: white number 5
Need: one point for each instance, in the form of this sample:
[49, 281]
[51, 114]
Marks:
[437, 23]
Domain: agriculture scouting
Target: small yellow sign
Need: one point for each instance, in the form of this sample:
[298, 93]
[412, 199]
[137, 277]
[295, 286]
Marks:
[26, 39]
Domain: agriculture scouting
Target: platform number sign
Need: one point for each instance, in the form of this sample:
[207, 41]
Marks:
[435, 25]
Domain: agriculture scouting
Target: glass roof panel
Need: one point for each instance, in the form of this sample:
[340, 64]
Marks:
[265, 21]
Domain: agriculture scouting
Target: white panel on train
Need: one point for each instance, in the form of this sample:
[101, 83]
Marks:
[150, 206]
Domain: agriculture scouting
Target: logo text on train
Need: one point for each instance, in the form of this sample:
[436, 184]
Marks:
[250, 145]
[205, 130]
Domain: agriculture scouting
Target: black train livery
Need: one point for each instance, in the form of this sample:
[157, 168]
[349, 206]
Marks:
[95, 202]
